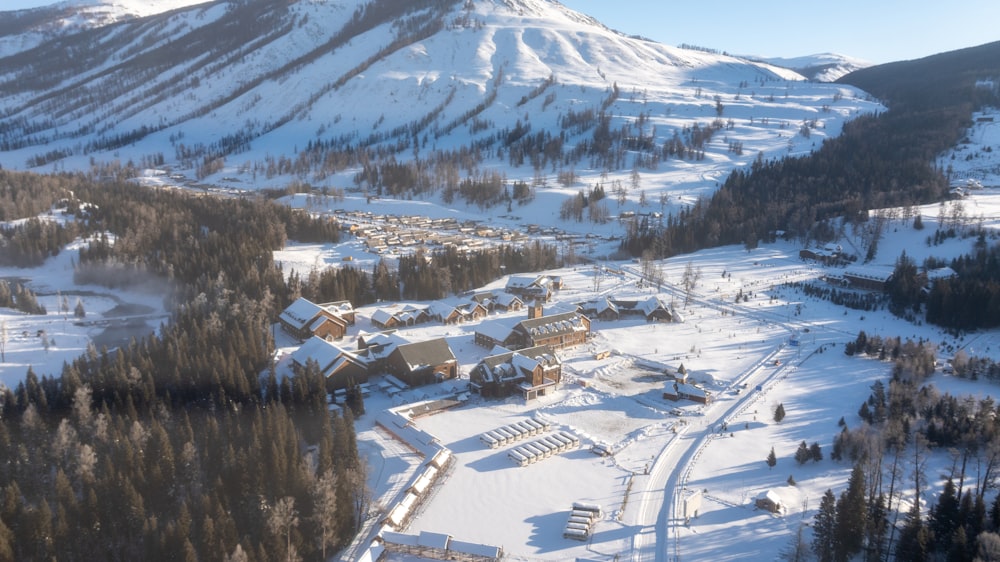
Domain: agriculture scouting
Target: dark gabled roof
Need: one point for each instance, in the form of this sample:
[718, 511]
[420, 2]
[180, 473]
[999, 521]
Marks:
[554, 324]
[426, 353]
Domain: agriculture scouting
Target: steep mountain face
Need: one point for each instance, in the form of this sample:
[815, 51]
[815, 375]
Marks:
[277, 89]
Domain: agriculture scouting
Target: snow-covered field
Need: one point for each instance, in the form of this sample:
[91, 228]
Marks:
[663, 449]
[723, 345]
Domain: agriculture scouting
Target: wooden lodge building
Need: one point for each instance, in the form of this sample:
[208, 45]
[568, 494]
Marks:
[341, 368]
[304, 319]
[423, 362]
[558, 331]
[533, 372]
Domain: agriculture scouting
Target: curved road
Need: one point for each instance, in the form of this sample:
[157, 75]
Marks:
[658, 512]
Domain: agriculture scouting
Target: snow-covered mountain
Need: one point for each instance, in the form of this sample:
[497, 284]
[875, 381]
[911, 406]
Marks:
[271, 90]
[823, 67]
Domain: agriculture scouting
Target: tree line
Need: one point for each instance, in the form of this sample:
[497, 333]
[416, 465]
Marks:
[182, 443]
[881, 514]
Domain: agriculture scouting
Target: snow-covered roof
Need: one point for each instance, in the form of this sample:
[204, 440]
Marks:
[872, 272]
[299, 313]
[319, 350]
[426, 353]
[381, 316]
[499, 329]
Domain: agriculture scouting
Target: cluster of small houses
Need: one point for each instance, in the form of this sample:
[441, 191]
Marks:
[522, 359]
[384, 233]
[864, 277]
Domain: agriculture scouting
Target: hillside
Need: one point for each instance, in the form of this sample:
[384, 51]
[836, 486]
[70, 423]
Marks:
[401, 99]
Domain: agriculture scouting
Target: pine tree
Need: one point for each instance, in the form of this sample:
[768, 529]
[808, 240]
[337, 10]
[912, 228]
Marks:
[824, 527]
[772, 459]
[944, 516]
[852, 512]
[878, 527]
[815, 452]
[914, 538]
[779, 413]
[802, 453]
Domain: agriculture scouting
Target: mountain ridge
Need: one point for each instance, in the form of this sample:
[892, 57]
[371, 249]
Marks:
[272, 92]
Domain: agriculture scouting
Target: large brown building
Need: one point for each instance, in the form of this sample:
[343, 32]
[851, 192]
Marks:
[532, 372]
[423, 362]
[566, 329]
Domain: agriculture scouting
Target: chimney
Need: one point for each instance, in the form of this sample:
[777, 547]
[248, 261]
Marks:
[535, 310]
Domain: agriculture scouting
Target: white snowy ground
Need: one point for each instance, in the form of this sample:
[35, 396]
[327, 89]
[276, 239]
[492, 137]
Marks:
[68, 336]
[486, 498]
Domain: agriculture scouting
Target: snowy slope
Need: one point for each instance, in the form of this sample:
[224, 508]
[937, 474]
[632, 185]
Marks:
[247, 86]
[29, 28]
[822, 67]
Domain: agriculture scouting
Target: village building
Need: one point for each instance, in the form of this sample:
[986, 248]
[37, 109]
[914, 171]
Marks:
[408, 315]
[769, 501]
[601, 308]
[374, 348]
[456, 312]
[872, 278]
[439, 546]
[561, 330]
[304, 319]
[423, 362]
[533, 287]
[533, 372]
[341, 368]
[686, 391]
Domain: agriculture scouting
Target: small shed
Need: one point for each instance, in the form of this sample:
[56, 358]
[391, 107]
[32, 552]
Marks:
[769, 501]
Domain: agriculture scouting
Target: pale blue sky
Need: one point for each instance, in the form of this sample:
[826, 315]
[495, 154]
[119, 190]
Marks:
[875, 30]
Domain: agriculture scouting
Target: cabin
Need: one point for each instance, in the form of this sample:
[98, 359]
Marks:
[686, 391]
[532, 372]
[408, 315]
[601, 308]
[342, 369]
[769, 501]
[533, 287]
[455, 313]
[304, 319]
[423, 362]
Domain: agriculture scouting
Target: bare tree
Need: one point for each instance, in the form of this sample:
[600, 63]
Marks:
[324, 492]
[283, 518]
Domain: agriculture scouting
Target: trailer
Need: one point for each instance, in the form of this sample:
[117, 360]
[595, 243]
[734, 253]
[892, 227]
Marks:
[554, 444]
[501, 438]
[581, 520]
[580, 526]
[539, 452]
[591, 507]
[582, 513]
[490, 442]
[539, 428]
[576, 534]
[527, 427]
[561, 439]
[573, 438]
[509, 436]
[518, 458]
